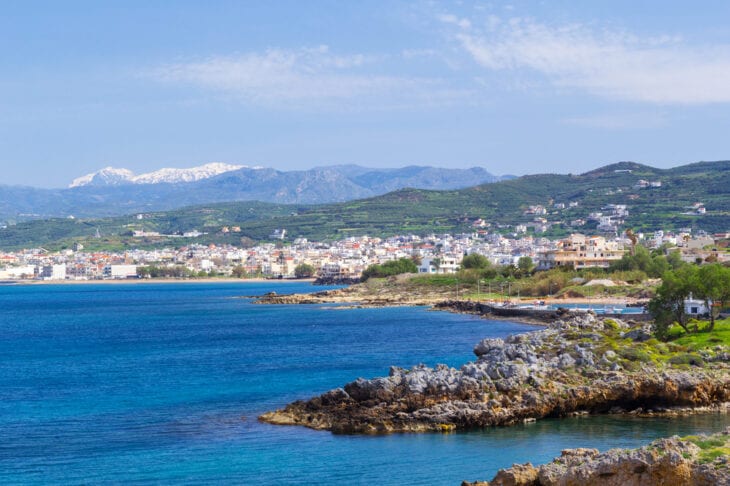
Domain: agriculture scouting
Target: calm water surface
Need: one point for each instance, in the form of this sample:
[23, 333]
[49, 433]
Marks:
[163, 383]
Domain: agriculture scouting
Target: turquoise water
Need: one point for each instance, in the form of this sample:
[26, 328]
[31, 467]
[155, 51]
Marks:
[163, 383]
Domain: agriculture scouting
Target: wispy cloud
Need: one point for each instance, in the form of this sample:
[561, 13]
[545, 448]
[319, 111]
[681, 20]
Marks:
[608, 63]
[620, 121]
[306, 76]
[463, 23]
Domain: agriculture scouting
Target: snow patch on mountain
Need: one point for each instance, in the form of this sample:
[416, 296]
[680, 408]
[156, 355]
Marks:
[185, 175]
[110, 176]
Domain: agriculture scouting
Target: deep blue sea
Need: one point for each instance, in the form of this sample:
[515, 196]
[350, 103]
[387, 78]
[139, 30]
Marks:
[162, 383]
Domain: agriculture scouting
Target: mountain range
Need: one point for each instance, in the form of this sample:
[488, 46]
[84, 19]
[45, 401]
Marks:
[567, 200]
[112, 192]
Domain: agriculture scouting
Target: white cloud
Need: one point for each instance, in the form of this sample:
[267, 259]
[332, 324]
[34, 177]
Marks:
[289, 78]
[611, 64]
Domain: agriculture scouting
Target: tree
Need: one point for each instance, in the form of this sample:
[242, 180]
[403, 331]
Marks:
[475, 260]
[654, 264]
[238, 271]
[304, 270]
[525, 265]
[713, 287]
[668, 306]
[674, 259]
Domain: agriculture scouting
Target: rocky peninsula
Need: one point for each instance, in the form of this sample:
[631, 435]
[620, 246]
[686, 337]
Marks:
[409, 290]
[577, 365]
[394, 291]
[688, 461]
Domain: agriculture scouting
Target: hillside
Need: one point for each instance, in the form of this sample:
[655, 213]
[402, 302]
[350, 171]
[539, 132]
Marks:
[503, 205]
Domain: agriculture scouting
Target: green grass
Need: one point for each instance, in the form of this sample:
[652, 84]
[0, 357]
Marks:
[684, 351]
[703, 339]
[449, 280]
[711, 447]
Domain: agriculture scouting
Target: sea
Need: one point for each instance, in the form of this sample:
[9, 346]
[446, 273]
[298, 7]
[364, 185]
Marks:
[162, 383]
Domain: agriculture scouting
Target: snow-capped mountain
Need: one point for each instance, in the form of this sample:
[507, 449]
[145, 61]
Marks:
[110, 176]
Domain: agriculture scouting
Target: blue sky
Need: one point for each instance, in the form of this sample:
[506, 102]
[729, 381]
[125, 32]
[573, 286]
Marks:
[518, 87]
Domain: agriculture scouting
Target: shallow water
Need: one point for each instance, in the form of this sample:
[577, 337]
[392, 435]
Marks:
[163, 383]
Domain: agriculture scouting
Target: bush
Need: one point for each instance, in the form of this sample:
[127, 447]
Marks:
[395, 267]
[687, 359]
[633, 354]
[629, 276]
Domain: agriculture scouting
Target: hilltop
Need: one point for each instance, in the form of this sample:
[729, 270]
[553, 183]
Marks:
[628, 194]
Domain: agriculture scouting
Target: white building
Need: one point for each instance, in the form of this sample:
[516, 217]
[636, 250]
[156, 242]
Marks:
[25, 271]
[54, 272]
[120, 271]
[443, 264]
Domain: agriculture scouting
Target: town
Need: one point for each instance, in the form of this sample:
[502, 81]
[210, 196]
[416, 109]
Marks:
[346, 259]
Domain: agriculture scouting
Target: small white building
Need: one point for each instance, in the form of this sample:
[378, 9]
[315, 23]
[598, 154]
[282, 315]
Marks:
[695, 307]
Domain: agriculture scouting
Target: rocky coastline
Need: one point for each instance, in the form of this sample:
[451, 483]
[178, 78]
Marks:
[358, 295]
[696, 460]
[577, 365]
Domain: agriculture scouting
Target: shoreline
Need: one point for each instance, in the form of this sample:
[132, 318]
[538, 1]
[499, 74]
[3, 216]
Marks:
[675, 460]
[137, 281]
[575, 365]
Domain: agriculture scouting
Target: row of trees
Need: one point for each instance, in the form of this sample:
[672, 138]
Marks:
[177, 271]
[709, 283]
[303, 270]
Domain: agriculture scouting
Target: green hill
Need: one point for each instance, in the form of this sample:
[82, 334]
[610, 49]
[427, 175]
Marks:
[421, 211]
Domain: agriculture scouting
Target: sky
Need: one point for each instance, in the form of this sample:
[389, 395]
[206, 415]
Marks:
[515, 87]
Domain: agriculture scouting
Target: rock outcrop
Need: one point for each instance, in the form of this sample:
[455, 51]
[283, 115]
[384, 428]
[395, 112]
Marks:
[576, 366]
[692, 461]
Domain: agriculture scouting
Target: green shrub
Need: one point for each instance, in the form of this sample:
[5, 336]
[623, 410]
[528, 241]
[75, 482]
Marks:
[633, 354]
[687, 359]
[394, 267]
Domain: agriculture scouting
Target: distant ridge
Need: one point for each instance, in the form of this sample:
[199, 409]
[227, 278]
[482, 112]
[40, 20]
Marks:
[112, 191]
